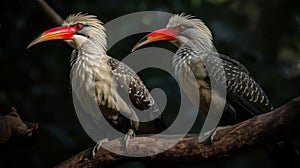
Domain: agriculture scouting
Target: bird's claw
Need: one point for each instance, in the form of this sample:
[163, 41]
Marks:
[208, 137]
[130, 134]
[97, 146]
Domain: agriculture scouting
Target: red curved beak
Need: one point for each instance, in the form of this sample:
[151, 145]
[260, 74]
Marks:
[168, 34]
[57, 33]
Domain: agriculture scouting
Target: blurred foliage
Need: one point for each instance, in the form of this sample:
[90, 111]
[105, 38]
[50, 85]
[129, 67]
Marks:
[263, 35]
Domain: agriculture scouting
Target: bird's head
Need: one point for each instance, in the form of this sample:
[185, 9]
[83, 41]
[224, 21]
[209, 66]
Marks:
[181, 29]
[76, 30]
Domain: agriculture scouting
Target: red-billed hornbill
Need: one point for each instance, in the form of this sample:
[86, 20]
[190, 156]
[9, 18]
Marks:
[244, 98]
[91, 67]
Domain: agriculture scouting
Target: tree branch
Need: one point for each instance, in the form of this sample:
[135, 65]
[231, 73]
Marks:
[51, 12]
[11, 125]
[264, 129]
[267, 128]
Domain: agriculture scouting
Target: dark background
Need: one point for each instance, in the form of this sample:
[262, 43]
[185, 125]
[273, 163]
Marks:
[263, 35]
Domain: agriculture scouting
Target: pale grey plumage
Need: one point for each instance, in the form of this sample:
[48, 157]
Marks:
[92, 69]
[103, 85]
[245, 97]
[196, 32]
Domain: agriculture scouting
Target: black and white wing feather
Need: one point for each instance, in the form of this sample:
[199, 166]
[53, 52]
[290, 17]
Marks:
[243, 92]
[132, 85]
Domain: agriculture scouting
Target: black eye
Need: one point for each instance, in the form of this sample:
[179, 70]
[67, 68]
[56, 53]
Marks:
[78, 26]
[182, 27]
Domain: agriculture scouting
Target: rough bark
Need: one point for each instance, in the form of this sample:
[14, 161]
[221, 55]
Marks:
[268, 128]
[12, 126]
[264, 129]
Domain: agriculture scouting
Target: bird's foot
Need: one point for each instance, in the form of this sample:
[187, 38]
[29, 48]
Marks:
[125, 141]
[98, 145]
[205, 138]
[215, 131]
[208, 137]
[156, 113]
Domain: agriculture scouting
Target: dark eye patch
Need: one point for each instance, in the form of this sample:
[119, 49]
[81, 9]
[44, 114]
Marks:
[78, 26]
[183, 27]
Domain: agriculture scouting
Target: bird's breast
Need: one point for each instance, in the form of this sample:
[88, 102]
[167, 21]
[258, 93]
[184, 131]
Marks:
[92, 77]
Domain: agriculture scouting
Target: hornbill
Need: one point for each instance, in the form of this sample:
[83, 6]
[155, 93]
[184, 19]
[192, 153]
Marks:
[91, 68]
[244, 98]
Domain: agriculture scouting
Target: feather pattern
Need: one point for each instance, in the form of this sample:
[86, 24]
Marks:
[93, 74]
[196, 52]
[132, 84]
[244, 95]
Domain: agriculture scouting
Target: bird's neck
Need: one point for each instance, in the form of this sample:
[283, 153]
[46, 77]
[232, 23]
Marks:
[189, 49]
[91, 50]
[188, 54]
[88, 54]
[96, 45]
[85, 62]
[200, 45]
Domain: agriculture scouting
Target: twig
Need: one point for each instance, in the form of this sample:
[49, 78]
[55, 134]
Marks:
[50, 11]
[11, 125]
[264, 129]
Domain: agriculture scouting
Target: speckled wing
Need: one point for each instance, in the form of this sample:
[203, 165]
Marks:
[244, 95]
[243, 92]
[132, 85]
